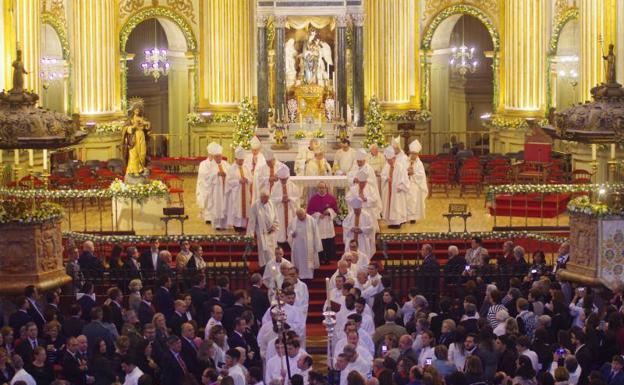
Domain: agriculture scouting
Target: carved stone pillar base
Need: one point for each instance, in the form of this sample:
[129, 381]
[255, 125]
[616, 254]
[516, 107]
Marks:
[31, 255]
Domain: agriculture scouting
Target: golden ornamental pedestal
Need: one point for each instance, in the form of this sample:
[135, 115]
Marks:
[312, 97]
[31, 254]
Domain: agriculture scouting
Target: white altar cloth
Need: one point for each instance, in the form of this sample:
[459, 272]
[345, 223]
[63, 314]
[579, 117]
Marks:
[313, 180]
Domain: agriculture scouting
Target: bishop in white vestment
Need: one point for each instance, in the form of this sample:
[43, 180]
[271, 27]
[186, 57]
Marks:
[254, 161]
[400, 155]
[305, 154]
[369, 195]
[285, 197]
[238, 191]
[361, 164]
[418, 188]
[394, 190]
[263, 223]
[376, 159]
[344, 158]
[215, 183]
[305, 243]
[358, 226]
[266, 174]
[204, 201]
[319, 165]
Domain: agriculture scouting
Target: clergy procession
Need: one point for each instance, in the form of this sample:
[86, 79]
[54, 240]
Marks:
[255, 194]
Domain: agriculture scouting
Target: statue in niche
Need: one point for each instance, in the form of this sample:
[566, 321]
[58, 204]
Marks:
[311, 56]
[135, 136]
[325, 61]
[18, 73]
[290, 59]
[610, 66]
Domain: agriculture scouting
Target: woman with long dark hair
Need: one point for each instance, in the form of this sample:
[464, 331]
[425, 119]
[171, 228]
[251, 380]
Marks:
[101, 365]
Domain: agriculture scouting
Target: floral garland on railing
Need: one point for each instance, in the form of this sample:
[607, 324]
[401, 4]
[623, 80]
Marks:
[81, 237]
[498, 235]
[117, 189]
[491, 191]
[194, 119]
[421, 116]
[583, 205]
[106, 128]
[503, 123]
[13, 211]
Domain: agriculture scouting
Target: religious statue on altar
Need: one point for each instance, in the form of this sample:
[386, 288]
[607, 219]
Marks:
[314, 61]
[134, 142]
[18, 73]
[610, 66]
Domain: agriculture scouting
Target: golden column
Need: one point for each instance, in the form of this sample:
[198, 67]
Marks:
[524, 57]
[28, 34]
[597, 23]
[94, 54]
[391, 69]
[227, 34]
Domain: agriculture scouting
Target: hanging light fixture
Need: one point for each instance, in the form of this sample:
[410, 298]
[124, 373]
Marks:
[155, 63]
[568, 68]
[462, 59]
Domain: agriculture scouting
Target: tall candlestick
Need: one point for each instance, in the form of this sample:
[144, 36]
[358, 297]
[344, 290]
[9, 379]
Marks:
[45, 159]
[16, 153]
[31, 158]
[594, 149]
[612, 151]
[327, 287]
[1, 155]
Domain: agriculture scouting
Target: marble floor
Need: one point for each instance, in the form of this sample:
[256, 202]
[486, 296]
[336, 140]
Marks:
[94, 218]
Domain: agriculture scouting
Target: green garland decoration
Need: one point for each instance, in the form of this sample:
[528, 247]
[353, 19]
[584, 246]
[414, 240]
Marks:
[494, 235]
[504, 123]
[108, 128]
[15, 211]
[117, 189]
[245, 125]
[210, 238]
[583, 205]
[374, 124]
[491, 191]
[422, 116]
[224, 118]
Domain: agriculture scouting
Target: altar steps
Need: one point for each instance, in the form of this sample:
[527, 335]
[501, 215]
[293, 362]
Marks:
[530, 205]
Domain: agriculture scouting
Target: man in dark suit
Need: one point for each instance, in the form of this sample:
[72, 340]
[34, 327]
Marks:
[259, 298]
[21, 316]
[28, 345]
[226, 297]
[132, 267]
[241, 301]
[95, 331]
[173, 368]
[213, 299]
[612, 372]
[72, 327]
[455, 265]
[236, 338]
[379, 307]
[178, 317]
[199, 295]
[429, 271]
[90, 265]
[189, 349]
[163, 266]
[116, 299]
[149, 258]
[32, 295]
[163, 299]
[74, 368]
[582, 353]
[52, 311]
[86, 300]
[146, 308]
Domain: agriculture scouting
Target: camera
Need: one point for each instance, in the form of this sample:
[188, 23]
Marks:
[384, 348]
[561, 351]
[467, 267]
[428, 361]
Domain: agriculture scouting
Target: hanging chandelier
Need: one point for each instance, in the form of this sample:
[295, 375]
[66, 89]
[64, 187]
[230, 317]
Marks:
[51, 70]
[568, 68]
[155, 63]
[462, 59]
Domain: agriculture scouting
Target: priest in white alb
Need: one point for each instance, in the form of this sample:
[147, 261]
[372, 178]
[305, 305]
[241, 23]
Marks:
[418, 189]
[238, 191]
[204, 201]
[394, 190]
[275, 263]
[324, 208]
[266, 174]
[305, 154]
[285, 197]
[215, 184]
[376, 159]
[400, 154]
[361, 164]
[263, 224]
[358, 226]
[319, 165]
[344, 158]
[253, 161]
[369, 195]
[305, 243]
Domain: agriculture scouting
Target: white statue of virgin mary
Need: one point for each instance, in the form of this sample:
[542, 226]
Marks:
[290, 59]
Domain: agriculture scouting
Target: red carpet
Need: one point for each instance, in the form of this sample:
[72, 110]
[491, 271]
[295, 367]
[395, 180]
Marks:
[530, 205]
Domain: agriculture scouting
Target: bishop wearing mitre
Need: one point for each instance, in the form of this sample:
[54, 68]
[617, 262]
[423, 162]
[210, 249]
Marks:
[400, 154]
[266, 175]
[263, 224]
[305, 243]
[394, 190]
[214, 181]
[369, 195]
[418, 189]
[254, 160]
[358, 226]
[361, 164]
[238, 191]
[285, 197]
[204, 201]
[305, 154]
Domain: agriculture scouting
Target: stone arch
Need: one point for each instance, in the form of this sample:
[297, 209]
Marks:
[553, 46]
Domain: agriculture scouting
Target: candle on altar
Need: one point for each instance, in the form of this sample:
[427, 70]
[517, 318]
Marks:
[31, 158]
[45, 159]
[593, 150]
[16, 153]
[1, 155]
[274, 272]
[327, 287]
[612, 151]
